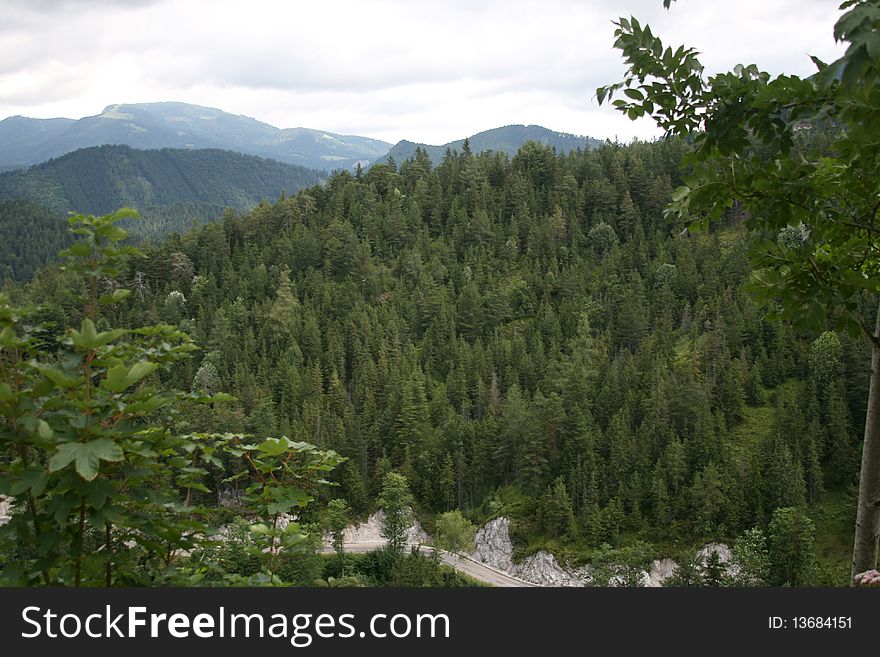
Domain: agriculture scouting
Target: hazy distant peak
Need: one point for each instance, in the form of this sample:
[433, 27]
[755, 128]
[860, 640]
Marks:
[170, 124]
[505, 139]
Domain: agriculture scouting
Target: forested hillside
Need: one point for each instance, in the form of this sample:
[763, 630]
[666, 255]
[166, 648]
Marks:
[30, 239]
[521, 335]
[173, 189]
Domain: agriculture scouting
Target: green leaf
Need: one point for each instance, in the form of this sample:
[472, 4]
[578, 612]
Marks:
[680, 193]
[115, 381]
[635, 94]
[121, 377]
[77, 250]
[274, 446]
[111, 232]
[115, 297]
[56, 376]
[33, 479]
[87, 456]
[148, 405]
[5, 391]
[139, 370]
[44, 431]
[100, 492]
[7, 337]
[88, 338]
[287, 498]
[63, 457]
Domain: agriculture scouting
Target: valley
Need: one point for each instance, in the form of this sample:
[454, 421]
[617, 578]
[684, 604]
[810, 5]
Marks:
[525, 338]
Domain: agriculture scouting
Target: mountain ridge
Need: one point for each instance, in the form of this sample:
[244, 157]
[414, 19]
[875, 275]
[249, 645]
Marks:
[26, 141]
[507, 139]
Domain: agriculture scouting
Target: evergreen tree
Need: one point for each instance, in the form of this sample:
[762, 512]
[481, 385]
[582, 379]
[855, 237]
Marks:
[396, 502]
[790, 547]
[557, 517]
[337, 520]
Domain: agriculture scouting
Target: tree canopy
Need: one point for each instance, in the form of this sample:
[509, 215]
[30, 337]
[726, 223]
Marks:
[798, 156]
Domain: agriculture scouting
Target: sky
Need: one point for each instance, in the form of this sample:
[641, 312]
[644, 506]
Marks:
[429, 72]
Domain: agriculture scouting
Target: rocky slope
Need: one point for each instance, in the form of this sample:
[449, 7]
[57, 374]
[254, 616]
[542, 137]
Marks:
[370, 531]
[493, 547]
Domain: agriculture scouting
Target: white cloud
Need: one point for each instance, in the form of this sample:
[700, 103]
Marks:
[424, 71]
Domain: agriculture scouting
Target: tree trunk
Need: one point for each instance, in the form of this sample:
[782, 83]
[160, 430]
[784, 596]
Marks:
[868, 515]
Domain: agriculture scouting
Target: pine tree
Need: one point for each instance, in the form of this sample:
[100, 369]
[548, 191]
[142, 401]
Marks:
[557, 517]
[790, 547]
[715, 570]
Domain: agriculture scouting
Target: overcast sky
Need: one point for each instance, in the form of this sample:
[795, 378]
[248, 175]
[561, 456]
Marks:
[394, 69]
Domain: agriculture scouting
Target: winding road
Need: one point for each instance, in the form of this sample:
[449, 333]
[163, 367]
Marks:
[475, 569]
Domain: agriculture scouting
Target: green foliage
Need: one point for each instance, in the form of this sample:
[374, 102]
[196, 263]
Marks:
[715, 570]
[207, 379]
[86, 460]
[623, 566]
[750, 561]
[754, 145]
[557, 516]
[796, 157]
[825, 359]
[690, 571]
[790, 547]
[338, 513]
[464, 334]
[281, 477]
[302, 566]
[602, 238]
[32, 237]
[173, 189]
[92, 456]
[396, 502]
[455, 533]
[425, 570]
[387, 567]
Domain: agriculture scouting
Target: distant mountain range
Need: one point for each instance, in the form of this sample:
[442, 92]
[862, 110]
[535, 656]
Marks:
[507, 139]
[180, 165]
[172, 188]
[25, 141]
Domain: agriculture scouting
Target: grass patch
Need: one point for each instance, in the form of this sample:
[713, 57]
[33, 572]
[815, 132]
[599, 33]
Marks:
[756, 426]
[834, 515]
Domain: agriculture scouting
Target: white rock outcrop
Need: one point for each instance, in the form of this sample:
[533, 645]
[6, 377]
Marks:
[724, 552]
[370, 531]
[4, 509]
[542, 568]
[661, 570]
[492, 546]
